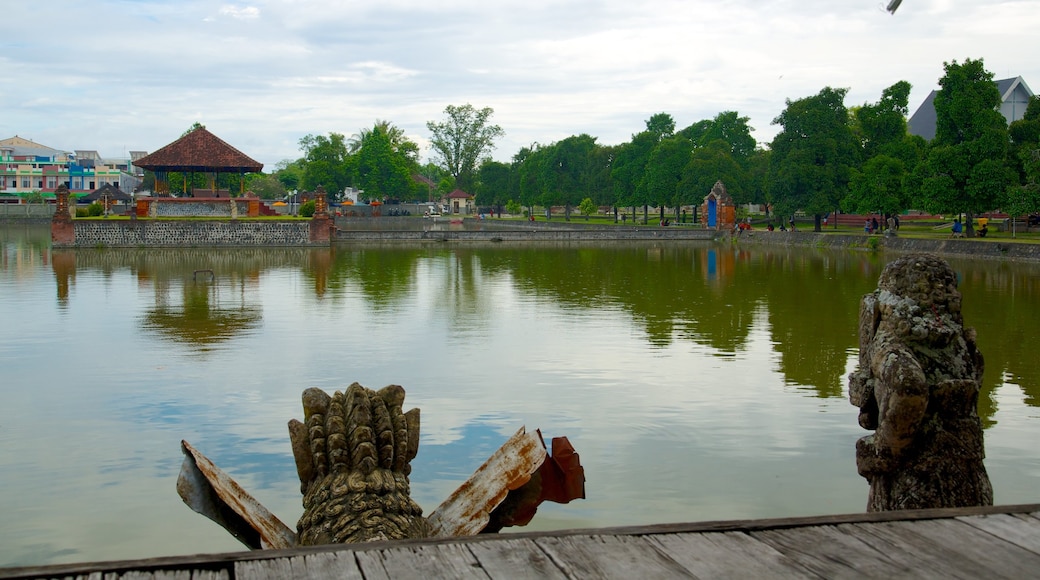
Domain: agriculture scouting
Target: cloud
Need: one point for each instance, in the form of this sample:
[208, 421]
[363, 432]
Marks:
[135, 75]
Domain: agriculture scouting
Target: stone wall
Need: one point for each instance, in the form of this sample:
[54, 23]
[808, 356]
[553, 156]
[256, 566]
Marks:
[529, 234]
[159, 233]
[965, 248]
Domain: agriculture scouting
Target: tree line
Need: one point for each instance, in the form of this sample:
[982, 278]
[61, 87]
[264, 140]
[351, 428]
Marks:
[825, 158]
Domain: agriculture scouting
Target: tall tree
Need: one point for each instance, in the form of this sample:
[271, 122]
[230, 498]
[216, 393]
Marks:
[663, 176]
[567, 171]
[715, 162]
[890, 153]
[813, 155]
[463, 140]
[966, 170]
[1023, 196]
[631, 159]
[382, 168]
[325, 162]
[494, 184]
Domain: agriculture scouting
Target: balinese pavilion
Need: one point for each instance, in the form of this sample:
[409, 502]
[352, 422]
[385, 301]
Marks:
[199, 151]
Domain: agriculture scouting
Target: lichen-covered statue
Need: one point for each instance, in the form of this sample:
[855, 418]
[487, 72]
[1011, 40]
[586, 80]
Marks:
[352, 454]
[917, 386]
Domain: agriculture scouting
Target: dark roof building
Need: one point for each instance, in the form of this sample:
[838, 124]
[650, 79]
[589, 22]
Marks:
[197, 152]
[1014, 97]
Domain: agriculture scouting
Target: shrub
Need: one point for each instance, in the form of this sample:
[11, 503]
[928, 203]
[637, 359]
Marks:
[95, 209]
[81, 212]
[307, 209]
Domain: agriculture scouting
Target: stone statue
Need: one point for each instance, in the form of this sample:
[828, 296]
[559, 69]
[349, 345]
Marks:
[352, 454]
[917, 386]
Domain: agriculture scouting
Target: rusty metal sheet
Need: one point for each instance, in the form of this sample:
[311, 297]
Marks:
[560, 479]
[467, 510]
[205, 488]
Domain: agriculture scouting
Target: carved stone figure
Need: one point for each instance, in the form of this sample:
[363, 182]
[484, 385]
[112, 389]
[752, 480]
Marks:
[917, 386]
[352, 454]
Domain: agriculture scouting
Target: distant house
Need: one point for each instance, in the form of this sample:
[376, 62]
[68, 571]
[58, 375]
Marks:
[460, 202]
[1014, 97]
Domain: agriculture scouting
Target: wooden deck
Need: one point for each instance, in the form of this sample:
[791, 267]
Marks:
[993, 542]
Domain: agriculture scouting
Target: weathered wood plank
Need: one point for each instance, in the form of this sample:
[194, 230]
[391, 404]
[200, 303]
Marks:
[370, 562]
[727, 555]
[510, 559]
[269, 569]
[1022, 530]
[425, 562]
[948, 547]
[832, 552]
[331, 565]
[607, 557]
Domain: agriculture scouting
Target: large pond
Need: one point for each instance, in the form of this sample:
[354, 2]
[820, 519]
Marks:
[696, 381]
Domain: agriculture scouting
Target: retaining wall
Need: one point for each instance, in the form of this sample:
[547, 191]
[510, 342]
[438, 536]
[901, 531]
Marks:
[163, 233]
[965, 248]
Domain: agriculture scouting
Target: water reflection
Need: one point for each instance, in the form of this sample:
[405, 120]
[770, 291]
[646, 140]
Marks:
[703, 294]
[697, 381]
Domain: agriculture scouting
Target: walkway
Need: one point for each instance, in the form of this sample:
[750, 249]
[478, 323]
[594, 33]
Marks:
[993, 542]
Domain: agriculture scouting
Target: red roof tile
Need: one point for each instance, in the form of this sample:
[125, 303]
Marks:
[199, 150]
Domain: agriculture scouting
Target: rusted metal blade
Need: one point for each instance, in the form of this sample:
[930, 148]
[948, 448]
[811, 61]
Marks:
[559, 479]
[468, 509]
[205, 488]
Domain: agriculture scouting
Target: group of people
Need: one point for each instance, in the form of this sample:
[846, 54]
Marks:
[872, 225]
[957, 229]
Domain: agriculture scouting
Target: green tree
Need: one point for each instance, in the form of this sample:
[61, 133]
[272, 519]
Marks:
[528, 162]
[890, 154]
[494, 184]
[381, 165]
[730, 127]
[325, 163]
[877, 187]
[587, 207]
[265, 186]
[965, 169]
[663, 176]
[462, 140]
[1023, 196]
[290, 173]
[714, 162]
[1025, 138]
[567, 171]
[813, 155]
[630, 162]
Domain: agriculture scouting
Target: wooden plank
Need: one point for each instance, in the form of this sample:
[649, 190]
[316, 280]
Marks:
[948, 547]
[832, 552]
[514, 559]
[270, 569]
[425, 562]
[209, 575]
[606, 557]
[727, 555]
[371, 565]
[1022, 530]
[331, 565]
[999, 557]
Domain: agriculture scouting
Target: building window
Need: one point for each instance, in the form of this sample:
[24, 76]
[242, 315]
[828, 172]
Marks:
[51, 183]
[25, 183]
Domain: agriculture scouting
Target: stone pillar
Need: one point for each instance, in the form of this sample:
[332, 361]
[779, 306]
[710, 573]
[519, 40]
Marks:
[322, 226]
[63, 232]
[917, 387]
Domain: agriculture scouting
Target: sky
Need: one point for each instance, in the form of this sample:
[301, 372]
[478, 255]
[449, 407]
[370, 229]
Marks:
[133, 75]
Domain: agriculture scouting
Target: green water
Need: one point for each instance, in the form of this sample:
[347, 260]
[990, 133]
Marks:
[696, 381]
